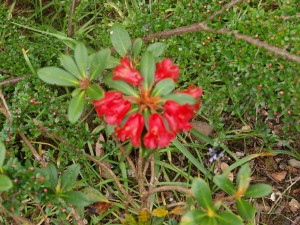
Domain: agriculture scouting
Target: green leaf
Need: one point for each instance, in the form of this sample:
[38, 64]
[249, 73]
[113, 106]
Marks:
[69, 177]
[193, 217]
[128, 219]
[76, 198]
[258, 190]
[76, 107]
[157, 220]
[120, 86]
[137, 46]
[147, 69]
[98, 63]
[2, 153]
[112, 62]
[172, 221]
[209, 221]
[228, 218]
[81, 58]
[246, 210]
[181, 98]
[120, 39]
[243, 178]
[69, 64]
[225, 184]
[55, 75]
[202, 193]
[95, 92]
[163, 87]
[191, 158]
[94, 195]
[5, 183]
[53, 175]
[156, 48]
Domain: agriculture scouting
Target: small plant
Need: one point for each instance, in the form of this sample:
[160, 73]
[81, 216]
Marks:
[211, 211]
[144, 108]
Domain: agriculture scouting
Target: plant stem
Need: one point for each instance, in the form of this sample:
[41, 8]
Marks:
[141, 179]
[123, 151]
[169, 188]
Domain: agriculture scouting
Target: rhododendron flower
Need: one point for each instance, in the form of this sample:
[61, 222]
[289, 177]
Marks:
[166, 69]
[158, 135]
[196, 92]
[113, 106]
[124, 71]
[142, 109]
[132, 129]
[178, 116]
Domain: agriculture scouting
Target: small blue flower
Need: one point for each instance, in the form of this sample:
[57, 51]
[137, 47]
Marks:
[213, 155]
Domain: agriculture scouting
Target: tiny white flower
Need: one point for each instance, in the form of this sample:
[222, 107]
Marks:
[111, 32]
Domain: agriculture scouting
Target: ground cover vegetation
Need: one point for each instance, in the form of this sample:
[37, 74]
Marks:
[149, 112]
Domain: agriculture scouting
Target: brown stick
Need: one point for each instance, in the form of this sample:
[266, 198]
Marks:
[70, 23]
[16, 218]
[170, 188]
[123, 151]
[12, 81]
[33, 151]
[226, 6]
[102, 165]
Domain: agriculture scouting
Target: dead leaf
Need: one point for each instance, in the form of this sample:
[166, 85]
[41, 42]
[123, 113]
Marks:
[179, 210]
[294, 205]
[202, 127]
[224, 166]
[159, 212]
[279, 176]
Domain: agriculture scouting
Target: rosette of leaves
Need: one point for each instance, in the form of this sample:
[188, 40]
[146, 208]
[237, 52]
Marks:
[79, 72]
[209, 212]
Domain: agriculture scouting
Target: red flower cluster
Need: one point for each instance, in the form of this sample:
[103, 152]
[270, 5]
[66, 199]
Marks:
[167, 117]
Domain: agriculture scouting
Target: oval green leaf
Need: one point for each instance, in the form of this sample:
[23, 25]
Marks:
[95, 92]
[156, 48]
[5, 183]
[225, 184]
[193, 217]
[81, 58]
[112, 62]
[202, 193]
[2, 153]
[69, 177]
[120, 39]
[163, 87]
[258, 190]
[228, 218]
[245, 209]
[120, 86]
[53, 175]
[137, 46]
[76, 107]
[181, 99]
[55, 75]
[69, 64]
[76, 198]
[98, 62]
[148, 69]
[243, 177]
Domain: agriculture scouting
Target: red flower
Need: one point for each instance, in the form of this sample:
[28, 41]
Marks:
[158, 135]
[196, 92]
[132, 129]
[124, 71]
[166, 69]
[113, 106]
[178, 116]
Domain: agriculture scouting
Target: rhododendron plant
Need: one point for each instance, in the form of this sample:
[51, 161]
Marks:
[151, 108]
